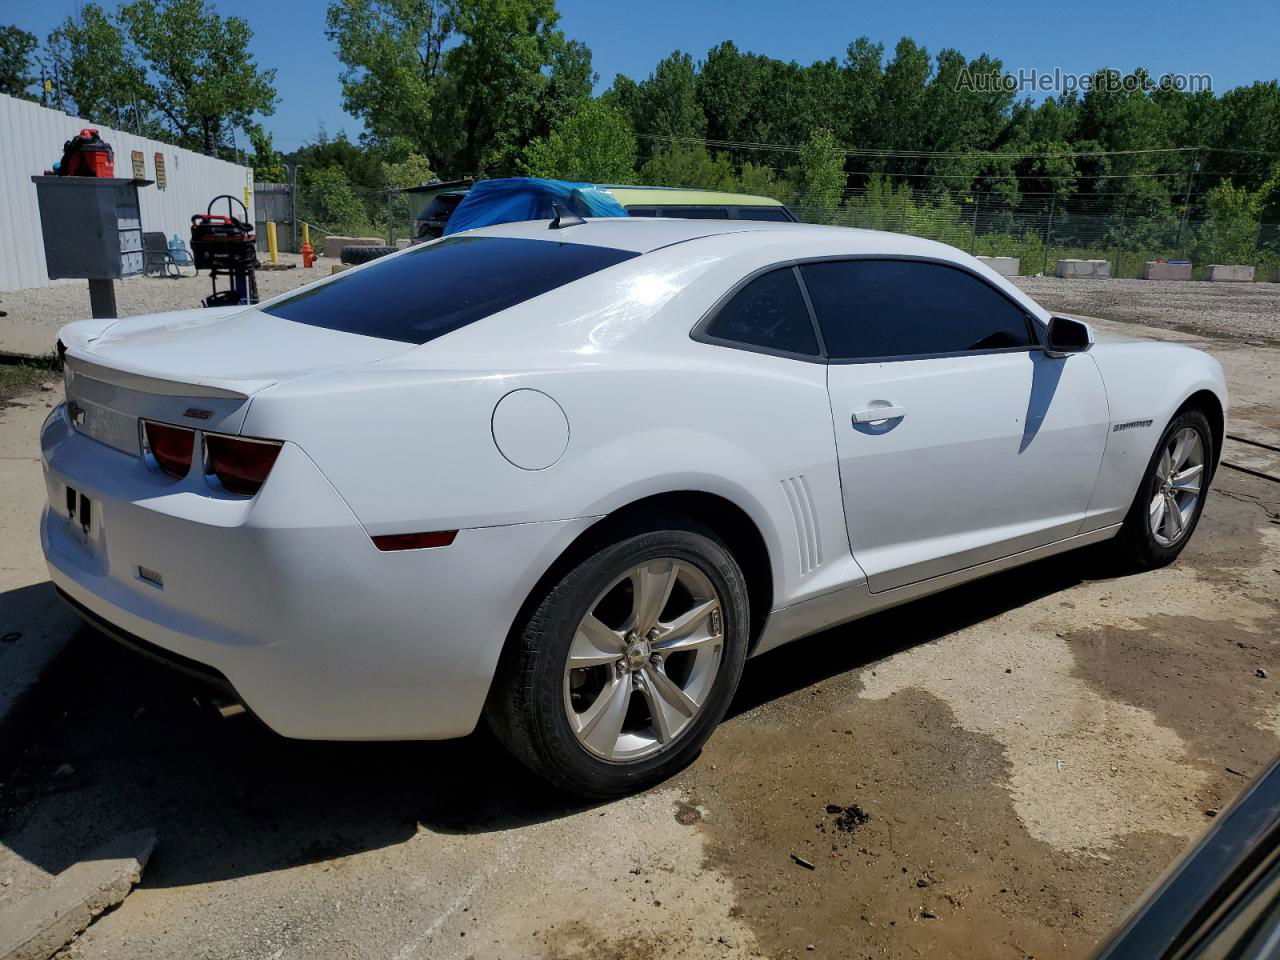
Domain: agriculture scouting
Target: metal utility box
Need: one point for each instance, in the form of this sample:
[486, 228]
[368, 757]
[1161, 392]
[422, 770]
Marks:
[92, 227]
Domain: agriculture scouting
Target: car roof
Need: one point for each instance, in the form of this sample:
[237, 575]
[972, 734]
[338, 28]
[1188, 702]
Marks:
[685, 197]
[646, 234]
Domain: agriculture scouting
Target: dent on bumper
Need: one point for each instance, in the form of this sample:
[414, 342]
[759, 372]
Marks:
[321, 635]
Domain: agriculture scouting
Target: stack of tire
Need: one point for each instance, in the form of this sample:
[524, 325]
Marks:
[354, 255]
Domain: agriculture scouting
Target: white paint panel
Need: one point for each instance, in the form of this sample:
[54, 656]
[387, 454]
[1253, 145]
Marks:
[31, 139]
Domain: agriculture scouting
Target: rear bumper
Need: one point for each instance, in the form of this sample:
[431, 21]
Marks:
[285, 596]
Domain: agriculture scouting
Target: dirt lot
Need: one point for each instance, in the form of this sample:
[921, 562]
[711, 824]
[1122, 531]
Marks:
[994, 772]
[1237, 311]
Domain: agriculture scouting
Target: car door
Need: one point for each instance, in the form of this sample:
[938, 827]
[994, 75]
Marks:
[959, 440]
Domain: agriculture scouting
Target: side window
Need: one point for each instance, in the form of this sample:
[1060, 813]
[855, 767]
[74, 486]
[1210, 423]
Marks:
[768, 312]
[904, 308]
[775, 214]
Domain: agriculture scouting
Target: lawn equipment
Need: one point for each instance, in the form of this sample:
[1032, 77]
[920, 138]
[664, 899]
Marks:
[226, 246]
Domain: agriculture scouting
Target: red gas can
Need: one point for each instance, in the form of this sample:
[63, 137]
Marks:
[87, 155]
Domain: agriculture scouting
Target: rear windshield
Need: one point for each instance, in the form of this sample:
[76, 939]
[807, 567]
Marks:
[439, 287]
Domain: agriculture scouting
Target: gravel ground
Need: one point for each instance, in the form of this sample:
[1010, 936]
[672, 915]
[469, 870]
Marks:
[34, 316]
[1236, 311]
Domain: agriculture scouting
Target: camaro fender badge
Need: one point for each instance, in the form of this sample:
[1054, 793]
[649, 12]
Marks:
[1131, 425]
[195, 413]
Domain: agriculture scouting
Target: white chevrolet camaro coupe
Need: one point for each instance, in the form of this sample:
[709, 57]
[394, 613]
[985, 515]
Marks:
[569, 476]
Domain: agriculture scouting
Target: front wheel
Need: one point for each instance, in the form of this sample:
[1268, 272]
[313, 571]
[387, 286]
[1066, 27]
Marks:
[1171, 496]
[627, 664]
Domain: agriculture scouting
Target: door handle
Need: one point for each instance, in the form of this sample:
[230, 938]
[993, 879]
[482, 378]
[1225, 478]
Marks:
[876, 414]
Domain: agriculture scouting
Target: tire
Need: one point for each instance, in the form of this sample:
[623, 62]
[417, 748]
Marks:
[354, 255]
[1137, 546]
[535, 692]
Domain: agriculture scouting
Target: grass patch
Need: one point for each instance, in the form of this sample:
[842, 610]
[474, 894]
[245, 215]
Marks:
[19, 375]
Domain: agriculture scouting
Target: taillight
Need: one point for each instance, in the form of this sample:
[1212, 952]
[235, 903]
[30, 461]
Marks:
[170, 447]
[241, 464]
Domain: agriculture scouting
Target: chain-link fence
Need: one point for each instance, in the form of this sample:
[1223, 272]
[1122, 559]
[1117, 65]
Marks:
[384, 214]
[1040, 231]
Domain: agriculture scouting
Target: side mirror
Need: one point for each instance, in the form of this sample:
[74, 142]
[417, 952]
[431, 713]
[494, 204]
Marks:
[1066, 336]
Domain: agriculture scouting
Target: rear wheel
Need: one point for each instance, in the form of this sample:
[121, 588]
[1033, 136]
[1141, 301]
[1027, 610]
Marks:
[1171, 496]
[628, 662]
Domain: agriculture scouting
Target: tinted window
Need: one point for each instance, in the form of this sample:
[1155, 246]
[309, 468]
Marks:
[777, 214]
[697, 213]
[768, 312]
[433, 289]
[898, 308]
[642, 211]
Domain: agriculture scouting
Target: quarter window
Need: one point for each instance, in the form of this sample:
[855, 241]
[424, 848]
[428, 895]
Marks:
[768, 312]
[904, 308]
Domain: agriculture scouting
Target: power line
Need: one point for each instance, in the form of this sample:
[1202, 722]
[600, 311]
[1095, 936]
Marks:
[949, 154]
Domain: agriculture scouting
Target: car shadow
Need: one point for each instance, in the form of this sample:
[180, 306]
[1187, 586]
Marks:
[120, 743]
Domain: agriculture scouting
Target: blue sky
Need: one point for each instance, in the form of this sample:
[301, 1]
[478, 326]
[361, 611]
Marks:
[1174, 36]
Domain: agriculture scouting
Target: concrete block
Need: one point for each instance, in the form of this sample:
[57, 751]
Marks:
[333, 245]
[1229, 273]
[40, 924]
[401, 244]
[1005, 266]
[1084, 269]
[1160, 270]
[339, 267]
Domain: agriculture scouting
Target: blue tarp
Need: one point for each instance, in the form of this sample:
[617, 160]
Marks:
[528, 198]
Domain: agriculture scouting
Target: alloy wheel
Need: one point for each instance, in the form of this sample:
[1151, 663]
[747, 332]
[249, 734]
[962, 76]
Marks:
[644, 660]
[1179, 474]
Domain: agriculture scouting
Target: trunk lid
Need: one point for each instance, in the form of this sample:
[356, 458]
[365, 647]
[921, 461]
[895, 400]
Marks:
[198, 368]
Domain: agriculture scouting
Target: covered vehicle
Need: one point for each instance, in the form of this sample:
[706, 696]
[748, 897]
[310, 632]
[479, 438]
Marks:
[690, 204]
[432, 204]
[513, 199]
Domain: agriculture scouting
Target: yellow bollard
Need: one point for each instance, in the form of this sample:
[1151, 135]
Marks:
[271, 240]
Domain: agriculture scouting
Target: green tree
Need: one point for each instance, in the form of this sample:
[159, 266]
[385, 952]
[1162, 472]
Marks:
[331, 203]
[667, 105]
[820, 177]
[595, 144]
[688, 165]
[16, 48]
[1269, 198]
[495, 79]
[410, 171]
[97, 72]
[1250, 118]
[202, 79]
[392, 52]
[268, 164]
[760, 181]
[1230, 233]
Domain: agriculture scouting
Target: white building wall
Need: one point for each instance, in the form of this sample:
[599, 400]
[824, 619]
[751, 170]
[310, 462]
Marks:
[31, 139]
